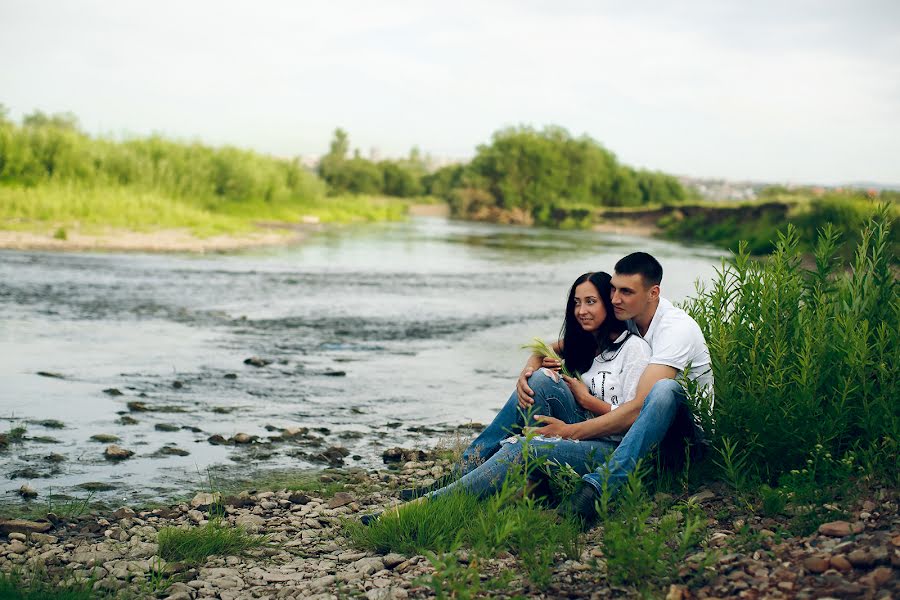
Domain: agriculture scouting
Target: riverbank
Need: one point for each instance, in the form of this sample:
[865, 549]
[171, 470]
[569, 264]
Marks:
[307, 548]
[166, 240]
[202, 233]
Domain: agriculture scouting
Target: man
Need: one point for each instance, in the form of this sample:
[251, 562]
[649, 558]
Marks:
[658, 414]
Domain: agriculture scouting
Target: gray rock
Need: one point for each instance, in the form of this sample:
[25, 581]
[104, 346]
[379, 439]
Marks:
[340, 499]
[23, 526]
[368, 565]
[251, 523]
[27, 492]
[392, 560]
[114, 452]
[205, 499]
[703, 496]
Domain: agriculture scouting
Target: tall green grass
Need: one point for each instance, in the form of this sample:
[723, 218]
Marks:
[805, 359]
[54, 176]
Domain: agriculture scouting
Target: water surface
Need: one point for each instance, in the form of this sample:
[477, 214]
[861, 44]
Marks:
[378, 335]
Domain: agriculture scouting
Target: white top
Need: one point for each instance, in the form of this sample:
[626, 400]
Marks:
[613, 376]
[676, 341]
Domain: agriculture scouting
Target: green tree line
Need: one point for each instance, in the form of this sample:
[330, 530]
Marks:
[532, 171]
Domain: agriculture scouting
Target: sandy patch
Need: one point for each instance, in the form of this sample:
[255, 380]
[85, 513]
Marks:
[168, 240]
[429, 210]
[626, 228]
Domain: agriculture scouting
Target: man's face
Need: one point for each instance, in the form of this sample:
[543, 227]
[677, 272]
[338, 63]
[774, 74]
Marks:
[630, 295]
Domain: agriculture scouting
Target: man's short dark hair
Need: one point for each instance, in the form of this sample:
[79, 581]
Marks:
[641, 263]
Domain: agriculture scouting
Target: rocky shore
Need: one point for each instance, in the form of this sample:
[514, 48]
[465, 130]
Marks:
[305, 553]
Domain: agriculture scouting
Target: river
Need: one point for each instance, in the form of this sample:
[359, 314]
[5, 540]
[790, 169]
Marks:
[378, 336]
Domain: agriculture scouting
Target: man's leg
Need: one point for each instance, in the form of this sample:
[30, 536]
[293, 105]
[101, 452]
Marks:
[657, 415]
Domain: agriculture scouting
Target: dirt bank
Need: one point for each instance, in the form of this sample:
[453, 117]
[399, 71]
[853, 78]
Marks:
[168, 240]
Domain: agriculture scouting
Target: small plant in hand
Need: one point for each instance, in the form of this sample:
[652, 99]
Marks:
[541, 348]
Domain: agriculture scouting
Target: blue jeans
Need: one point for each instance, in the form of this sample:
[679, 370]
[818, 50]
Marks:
[551, 398]
[664, 420]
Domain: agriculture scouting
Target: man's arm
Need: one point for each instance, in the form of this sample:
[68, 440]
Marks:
[615, 421]
[534, 362]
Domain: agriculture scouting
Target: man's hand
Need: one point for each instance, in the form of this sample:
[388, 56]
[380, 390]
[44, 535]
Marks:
[551, 363]
[524, 392]
[552, 427]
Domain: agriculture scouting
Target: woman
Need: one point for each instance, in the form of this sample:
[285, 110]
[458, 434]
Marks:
[610, 359]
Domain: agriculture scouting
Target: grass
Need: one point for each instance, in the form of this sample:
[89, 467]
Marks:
[194, 545]
[60, 209]
[39, 586]
[509, 521]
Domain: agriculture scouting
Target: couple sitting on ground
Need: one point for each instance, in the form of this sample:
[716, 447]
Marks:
[631, 347]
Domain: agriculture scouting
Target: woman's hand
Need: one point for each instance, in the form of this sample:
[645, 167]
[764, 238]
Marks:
[578, 389]
[583, 396]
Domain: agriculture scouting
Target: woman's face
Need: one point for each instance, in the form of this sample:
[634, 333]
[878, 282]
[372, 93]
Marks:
[589, 309]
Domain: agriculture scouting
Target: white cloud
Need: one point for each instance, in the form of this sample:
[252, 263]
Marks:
[765, 91]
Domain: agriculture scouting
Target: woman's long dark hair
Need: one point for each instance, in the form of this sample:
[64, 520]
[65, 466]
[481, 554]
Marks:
[579, 346]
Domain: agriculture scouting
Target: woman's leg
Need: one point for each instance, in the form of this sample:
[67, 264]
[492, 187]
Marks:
[487, 478]
[552, 398]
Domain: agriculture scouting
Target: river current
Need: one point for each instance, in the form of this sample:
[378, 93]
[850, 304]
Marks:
[376, 336]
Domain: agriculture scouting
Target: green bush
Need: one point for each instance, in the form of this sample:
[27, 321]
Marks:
[806, 357]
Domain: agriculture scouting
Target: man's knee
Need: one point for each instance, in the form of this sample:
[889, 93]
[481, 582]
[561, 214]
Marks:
[666, 395]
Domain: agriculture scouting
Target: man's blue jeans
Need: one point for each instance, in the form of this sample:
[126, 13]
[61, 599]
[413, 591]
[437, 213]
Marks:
[664, 420]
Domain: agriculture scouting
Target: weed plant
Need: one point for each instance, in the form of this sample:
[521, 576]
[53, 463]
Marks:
[195, 544]
[805, 358]
[40, 586]
[644, 551]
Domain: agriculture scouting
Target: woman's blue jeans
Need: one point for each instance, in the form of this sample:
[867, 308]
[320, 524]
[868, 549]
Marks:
[664, 420]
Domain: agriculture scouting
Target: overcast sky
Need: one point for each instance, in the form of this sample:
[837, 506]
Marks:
[802, 91]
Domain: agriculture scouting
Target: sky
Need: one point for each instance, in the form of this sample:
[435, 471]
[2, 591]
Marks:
[772, 91]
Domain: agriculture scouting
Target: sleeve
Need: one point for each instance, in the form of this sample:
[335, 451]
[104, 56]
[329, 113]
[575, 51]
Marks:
[635, 361]
[674, 345]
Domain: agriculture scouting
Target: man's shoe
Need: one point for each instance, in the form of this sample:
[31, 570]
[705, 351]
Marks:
[582, 505]
[370, 519]
[417, 492]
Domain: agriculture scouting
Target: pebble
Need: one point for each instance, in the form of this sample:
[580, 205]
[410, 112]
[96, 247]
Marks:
[816, 564]
[860, 558]
[839, 528]
[840, 562]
